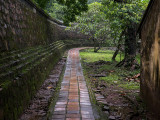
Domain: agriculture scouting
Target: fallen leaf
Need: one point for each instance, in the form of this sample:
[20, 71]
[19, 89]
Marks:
[131, 79]
[49, 87]
[111, 71]
[122, 94]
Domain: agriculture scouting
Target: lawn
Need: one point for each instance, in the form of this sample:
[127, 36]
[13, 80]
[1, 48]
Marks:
[115, 75]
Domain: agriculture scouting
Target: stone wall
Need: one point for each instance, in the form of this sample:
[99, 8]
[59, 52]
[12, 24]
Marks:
[150, 55]
[21, 75]
[31, 43]
[22, 24]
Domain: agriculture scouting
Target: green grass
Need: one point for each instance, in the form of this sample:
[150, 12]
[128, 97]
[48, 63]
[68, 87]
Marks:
[111, 79]
[130, 85]
[115, 75]
[118, 76]
[105, 55]
[138, 58]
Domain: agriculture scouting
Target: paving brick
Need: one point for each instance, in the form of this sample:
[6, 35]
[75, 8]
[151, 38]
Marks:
[71, 105]
[59, 112]
[61, 103]
[88, 119]
[73, 112]
[88, 116]
[60, 106]
[73, 119]
[59, 109]
[59, 116]
[73, 108]
[73, 97]
[73, 115]
[73, 100]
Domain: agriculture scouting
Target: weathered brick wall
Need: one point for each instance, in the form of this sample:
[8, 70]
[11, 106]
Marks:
[31, 43]
[23, 25]
[58, 32]
[150, 55]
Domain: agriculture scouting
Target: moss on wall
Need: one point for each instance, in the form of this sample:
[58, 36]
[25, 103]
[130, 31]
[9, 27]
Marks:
[17, 91]
[30, 45]
[150, 87]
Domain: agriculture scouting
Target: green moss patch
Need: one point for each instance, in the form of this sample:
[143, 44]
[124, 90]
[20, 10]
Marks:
[19, 87]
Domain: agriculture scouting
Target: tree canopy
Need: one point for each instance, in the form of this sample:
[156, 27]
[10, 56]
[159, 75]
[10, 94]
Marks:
[115, 21]
[124, 17]
[63, 9]
[55, 10]
[121, 15]
[41, 3]
[92, 23]
[73, 8]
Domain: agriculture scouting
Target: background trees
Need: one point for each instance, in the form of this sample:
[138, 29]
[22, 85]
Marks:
[114, 21]
[41, 3]
[55, 10]
[124, 17]
[92, 1]
[93, 24]
[73, 8]
[68, 9]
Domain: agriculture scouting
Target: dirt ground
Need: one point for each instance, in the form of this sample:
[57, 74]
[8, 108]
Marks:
[118, 103]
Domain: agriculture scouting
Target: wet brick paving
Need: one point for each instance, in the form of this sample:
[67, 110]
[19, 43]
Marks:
[73, 101]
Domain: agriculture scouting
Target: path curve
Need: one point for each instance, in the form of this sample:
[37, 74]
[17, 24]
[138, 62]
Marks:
[73, 102]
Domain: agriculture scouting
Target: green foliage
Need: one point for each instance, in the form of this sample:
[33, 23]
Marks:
[92, 1]
[92, 23]
[66, 10]
[122, 15]
[107, 21]
[41, 3]
[55, 10]
[73, 8]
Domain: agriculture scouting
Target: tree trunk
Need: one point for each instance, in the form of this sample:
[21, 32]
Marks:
[95, 46]
[130, 49]
[118, 47]
[116, 52]
[96, 49]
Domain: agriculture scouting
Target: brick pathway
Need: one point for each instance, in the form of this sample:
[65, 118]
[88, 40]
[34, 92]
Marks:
[73, 102]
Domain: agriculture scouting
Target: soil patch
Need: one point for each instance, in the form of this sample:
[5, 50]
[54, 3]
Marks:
[115, 101]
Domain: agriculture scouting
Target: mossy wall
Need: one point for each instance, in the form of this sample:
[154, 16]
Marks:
[150, 59]
[31, 43]
[23, 74]
[22, 25]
